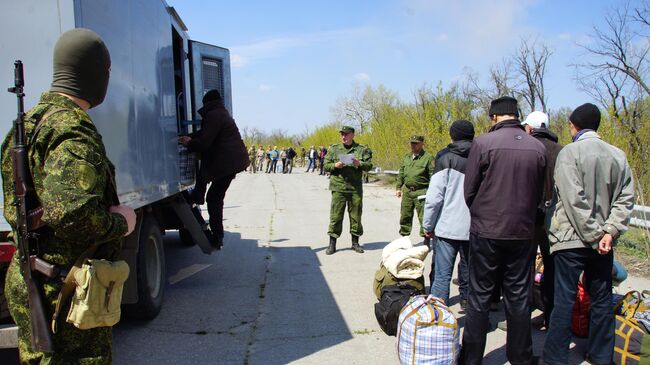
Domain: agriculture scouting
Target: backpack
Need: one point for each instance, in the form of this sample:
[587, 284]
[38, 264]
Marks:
[384, 278]
[427, 332]
[393, 299]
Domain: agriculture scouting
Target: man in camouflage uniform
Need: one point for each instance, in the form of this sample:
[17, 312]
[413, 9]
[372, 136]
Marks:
[252, 154]
[413, 181]
[74, 180]
[346, 186]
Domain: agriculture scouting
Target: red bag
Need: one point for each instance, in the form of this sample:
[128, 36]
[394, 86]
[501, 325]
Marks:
[580, 317]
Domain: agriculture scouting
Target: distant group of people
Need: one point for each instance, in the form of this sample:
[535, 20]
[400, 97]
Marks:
[498, 198]
[316, 159]
[271, 155]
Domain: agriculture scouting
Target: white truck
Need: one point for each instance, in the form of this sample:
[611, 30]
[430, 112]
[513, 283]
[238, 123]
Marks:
[158, 77]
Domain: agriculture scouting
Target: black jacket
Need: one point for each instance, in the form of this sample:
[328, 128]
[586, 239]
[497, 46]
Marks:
[223, 152]
[549, 140]
[503, 182]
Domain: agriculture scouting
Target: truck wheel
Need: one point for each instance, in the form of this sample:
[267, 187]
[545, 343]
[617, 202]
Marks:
[151, 271]
[186, 237]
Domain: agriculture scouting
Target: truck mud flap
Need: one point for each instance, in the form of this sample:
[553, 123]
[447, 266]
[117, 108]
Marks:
[192, 225]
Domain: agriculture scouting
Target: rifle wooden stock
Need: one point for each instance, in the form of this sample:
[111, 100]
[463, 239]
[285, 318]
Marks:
[27, 209]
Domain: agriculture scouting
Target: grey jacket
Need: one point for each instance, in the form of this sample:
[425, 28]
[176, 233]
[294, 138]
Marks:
[445, 211]
[593, 181]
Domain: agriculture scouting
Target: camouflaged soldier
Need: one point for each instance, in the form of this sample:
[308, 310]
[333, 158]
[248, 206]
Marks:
[74, 180]
[413, 181]
[346, 186]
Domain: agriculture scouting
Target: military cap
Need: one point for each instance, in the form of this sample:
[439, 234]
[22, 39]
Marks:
[346, 129]
[417, 139]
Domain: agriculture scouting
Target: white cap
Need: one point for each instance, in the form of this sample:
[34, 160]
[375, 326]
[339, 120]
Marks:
[536, 119]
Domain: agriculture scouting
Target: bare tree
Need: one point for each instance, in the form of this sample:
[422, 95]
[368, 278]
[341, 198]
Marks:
[621, 51]
[530, 63]
[362, 106]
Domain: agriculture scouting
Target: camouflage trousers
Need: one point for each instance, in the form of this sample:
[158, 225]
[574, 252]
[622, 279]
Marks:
[410, 202]
[72, 345]
[354, 202]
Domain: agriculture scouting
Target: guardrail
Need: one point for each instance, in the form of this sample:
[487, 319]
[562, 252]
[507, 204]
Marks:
[640, 217]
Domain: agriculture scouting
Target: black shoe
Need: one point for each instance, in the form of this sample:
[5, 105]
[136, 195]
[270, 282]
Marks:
[332, 247]
[216, 242]
[463, 305]
[355, 245]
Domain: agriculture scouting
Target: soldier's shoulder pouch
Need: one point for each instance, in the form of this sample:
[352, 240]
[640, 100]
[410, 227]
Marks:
[96, 290]
[98, 294]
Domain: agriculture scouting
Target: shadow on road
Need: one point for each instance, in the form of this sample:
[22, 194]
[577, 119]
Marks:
[247, 304]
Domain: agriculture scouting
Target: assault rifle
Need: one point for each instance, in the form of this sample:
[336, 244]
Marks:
[28, 214]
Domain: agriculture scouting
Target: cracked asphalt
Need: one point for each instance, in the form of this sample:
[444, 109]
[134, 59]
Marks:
[272, 296]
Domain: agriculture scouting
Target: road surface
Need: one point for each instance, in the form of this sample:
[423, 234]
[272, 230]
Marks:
[272, 296]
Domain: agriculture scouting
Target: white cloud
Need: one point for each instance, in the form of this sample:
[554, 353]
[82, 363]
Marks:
[275, 47]
[472, 23]
[442, 37]
[238, 61]
[264, 88]
[362, 77]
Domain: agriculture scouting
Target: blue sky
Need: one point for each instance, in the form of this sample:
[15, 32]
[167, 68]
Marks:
[293, 59]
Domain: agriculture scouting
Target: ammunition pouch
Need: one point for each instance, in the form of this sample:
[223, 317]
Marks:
[96, 290]
[98, 294]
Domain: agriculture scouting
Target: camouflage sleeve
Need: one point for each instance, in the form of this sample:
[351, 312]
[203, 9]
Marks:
[73, 195]
[366, 159]
[330, 160]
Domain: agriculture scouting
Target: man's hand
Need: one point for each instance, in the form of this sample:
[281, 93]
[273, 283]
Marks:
[605, 244]
[428, 235]
[128, 213]
[184, 140]
[339, 165]
[398, 193]
[356, 162]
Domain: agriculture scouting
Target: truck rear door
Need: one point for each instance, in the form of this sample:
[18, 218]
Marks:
[210, 69]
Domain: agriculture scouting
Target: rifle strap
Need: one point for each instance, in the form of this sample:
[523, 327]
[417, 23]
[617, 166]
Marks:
[69, 284]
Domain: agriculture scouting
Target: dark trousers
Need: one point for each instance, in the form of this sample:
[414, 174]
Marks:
[214, 199]
[541, 239]
[569, 264]
[486, 257]
[321, 166]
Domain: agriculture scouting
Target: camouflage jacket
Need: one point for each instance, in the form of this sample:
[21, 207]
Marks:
[348, 178]
[74, 180]
[415, 173]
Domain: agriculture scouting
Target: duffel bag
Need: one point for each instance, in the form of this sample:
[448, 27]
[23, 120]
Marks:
[427, 332]
[580, 316]
[631, 343]
[384, 278]
[393, 299]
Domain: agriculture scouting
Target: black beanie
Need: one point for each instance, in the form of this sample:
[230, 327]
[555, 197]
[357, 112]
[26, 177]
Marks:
[586, 116]
[212, 95]
[505, 105]
[461, 130]
[81, 66]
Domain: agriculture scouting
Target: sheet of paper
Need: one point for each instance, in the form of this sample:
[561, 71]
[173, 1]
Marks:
[346, 159]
